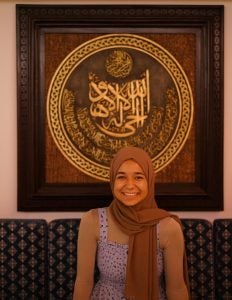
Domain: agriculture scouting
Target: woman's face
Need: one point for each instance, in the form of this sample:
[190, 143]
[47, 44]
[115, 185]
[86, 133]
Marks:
[130, 186]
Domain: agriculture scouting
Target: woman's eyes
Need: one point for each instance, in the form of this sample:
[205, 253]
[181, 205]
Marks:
[124, 177]
[139, 177]
[120, 177]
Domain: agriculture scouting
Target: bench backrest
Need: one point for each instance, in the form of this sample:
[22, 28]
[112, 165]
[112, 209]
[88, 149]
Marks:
[38, 260]
[23, 259]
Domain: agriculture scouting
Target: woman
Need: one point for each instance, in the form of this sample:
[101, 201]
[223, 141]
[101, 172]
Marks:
[139, 248]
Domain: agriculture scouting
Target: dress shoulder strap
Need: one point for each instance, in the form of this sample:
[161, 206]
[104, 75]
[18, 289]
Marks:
[158, 235]
[103, 224]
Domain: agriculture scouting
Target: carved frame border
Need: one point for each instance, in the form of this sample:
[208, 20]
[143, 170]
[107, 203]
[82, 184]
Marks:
[34, 194]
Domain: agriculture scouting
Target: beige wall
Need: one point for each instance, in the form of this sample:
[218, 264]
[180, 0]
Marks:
[8, 113]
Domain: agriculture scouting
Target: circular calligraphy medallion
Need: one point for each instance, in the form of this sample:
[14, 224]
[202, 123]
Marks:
[119, 90]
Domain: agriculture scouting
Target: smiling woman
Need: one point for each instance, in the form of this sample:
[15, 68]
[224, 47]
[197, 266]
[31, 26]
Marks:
[138, 248]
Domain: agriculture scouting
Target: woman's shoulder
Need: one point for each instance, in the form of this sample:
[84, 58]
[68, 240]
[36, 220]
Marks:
[169, 222]
[90, 216]
[89, 223]
[169, 228]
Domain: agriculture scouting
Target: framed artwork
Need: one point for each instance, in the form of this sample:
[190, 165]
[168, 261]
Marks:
[92, 79]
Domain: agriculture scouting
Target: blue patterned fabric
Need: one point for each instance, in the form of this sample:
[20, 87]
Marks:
[199, 247]
[23, 259]
[222, 231]
[62, 251]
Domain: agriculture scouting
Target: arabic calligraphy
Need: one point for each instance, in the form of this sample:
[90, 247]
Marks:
[119, 109]
[119, 64]
[84, 133]
[100, 101]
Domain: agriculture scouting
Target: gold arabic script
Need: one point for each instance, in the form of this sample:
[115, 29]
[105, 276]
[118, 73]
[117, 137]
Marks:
[119, 109]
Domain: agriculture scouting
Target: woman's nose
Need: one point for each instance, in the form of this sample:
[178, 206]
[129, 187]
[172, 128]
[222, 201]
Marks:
[130, 182]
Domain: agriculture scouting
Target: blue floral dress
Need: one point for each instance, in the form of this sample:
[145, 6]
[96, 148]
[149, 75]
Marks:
[112, 261]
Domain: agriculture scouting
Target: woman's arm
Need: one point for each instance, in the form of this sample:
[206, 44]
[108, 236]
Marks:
[87, 245]
[172, 242]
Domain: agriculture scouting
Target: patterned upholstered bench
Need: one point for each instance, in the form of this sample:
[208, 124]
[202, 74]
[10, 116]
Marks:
[23, 259]
[62, 253]
[199, 247]
[38, 260]
[223, 258]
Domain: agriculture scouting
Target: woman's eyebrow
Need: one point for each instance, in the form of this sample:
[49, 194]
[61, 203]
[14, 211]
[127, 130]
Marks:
[139, 173]
[123, 172]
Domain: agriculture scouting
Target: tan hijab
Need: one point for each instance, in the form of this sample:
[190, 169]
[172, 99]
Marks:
[139, 222]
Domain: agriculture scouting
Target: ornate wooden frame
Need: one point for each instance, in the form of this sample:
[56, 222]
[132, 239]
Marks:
[34, 193]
